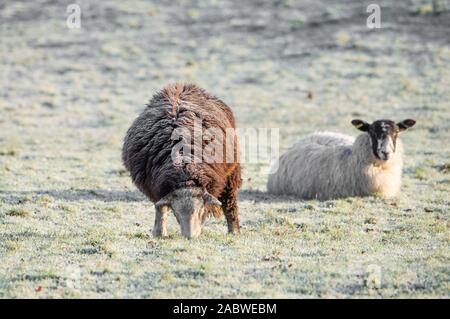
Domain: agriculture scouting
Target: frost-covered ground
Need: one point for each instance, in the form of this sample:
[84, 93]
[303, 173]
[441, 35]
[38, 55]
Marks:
[73, 225]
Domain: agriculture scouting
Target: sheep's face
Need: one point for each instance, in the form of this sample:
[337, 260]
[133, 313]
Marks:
[190, 207]
[383, 135]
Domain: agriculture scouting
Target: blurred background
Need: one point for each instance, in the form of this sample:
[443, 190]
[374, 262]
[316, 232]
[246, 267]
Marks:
[297, 65]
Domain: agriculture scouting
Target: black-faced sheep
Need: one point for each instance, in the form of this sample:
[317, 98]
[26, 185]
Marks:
[331, 165]
[164, 150]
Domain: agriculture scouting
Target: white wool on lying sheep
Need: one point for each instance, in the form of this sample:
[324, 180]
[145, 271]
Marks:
[329, 165]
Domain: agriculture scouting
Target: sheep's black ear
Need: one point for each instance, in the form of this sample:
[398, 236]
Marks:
[361, 125]
[211, 200]
[405, 124]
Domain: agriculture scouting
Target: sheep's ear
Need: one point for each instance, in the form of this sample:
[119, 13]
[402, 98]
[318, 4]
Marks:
[405, 124]
[211, 200]
[361, 125]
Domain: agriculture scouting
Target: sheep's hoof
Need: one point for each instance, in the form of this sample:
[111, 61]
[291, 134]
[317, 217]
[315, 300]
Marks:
[233, 231]
[159, 233]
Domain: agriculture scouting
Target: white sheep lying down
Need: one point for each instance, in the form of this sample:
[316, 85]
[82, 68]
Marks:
[329, 165]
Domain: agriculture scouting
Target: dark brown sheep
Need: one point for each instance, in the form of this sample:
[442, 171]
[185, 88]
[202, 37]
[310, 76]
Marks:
[186, 182]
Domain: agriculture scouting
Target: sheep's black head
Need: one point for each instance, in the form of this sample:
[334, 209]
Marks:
[383, 135]
[191, 206]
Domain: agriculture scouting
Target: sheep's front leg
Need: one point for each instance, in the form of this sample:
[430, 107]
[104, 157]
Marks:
[232, 216]
[160, 229]
[229, 202]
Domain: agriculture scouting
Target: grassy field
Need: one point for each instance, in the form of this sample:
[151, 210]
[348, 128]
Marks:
[73, 225]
